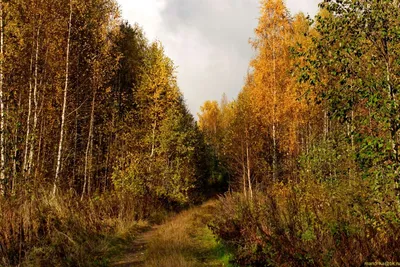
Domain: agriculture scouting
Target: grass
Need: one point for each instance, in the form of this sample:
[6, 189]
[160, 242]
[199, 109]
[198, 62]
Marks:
[63, 231]
[311, 224]
[186, 241]
[41, 230]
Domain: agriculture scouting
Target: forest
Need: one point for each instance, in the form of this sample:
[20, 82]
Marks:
[96, 140]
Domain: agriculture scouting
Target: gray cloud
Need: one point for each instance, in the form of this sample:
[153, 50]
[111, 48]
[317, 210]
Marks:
[207, 39]
[222, 27]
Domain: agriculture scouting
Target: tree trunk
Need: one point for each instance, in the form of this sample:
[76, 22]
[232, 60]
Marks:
[248, 166]
[88, 156]
[274, 156]
[244, 173]
[393, 127]
[2, 124]
[15, 150]
[39, 152]
[90, 173]
[153, 139]
[64, 107]
[28, 120]
[352, 129]
[74, 170]
[35, 110]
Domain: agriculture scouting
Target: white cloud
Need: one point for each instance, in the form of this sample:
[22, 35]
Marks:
[309, 7]
[145, 12]
[207, 40]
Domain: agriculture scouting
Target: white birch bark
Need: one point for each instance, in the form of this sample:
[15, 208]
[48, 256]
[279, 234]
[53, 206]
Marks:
[244, 172]
[248, 165]
[274, 156]
[28, 120]
[64, 107]
[35, 110]
[86, 182]
[2, 124]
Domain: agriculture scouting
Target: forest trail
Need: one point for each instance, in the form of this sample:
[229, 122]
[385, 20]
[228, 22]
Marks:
[135, 255]
[182, 241]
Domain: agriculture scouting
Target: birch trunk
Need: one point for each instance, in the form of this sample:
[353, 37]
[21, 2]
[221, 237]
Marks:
[248, 165]
[64, 107]
[35, 110]
[274, 156]
[74, 171]
[2, 126]
[88, 154]
[90, 173]
[244, 172]
[153, 139]
[15, 150]
[39, 153]
[28, 120]
[249, 170]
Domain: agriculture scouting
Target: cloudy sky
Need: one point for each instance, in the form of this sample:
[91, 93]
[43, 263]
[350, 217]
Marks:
[206, 39]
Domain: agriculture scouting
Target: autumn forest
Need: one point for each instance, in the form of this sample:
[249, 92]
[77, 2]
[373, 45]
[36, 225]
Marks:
[99, 152]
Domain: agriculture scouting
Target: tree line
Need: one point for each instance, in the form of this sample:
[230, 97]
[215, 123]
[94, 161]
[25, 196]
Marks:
[311, 142]
[89, 104]
[94, 131]
[95, 135]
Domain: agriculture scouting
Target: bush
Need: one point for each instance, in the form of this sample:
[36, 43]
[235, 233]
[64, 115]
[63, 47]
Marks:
[312, 224]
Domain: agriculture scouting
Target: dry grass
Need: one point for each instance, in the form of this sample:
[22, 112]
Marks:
[186, 241]
[41, 230]
[44, 231]
[311, 224]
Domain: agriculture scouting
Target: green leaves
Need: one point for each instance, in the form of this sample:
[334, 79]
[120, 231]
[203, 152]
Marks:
[356, 46]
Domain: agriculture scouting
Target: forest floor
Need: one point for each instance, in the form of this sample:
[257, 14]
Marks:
[184, 240]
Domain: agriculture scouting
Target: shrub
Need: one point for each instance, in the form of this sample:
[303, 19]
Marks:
[311, 224]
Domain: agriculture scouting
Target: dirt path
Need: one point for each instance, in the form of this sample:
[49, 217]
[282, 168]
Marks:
[135, 256]
[183, 241]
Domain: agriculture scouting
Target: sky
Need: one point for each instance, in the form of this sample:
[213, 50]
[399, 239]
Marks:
[206, 39]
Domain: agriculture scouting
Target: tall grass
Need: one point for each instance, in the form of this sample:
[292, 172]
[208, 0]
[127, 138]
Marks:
[42, 230]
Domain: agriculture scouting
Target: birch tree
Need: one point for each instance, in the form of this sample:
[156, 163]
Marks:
[2, 111]
[64, 105]
[357, 46]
